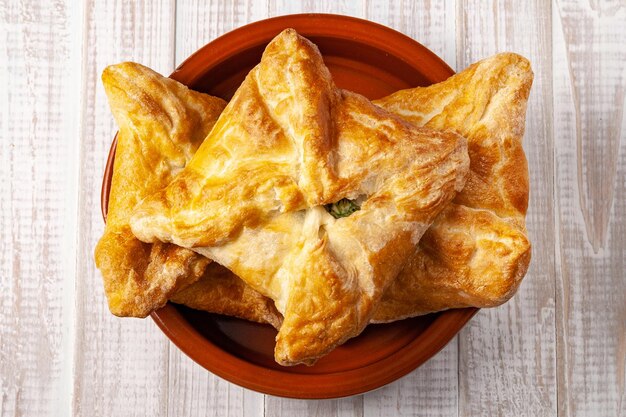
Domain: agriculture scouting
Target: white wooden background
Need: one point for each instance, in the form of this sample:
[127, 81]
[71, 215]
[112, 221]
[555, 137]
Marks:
[558, 348]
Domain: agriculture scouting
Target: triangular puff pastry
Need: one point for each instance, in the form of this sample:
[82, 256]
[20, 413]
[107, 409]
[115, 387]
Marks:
[476, 252]
[162, 123]
[253, 196]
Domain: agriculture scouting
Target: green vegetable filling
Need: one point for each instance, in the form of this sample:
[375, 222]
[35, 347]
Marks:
[342, 208]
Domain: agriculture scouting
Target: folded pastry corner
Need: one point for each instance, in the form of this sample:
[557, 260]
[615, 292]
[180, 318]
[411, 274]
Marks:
[254, 196]
[138, 278]
[161, 124]
[221, 291]
[476, 252]
[467, 258]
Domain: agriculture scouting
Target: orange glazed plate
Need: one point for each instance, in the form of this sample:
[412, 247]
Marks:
[369, 59]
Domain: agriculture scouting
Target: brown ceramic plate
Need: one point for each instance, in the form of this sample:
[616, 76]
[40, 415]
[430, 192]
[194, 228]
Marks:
[369, 59]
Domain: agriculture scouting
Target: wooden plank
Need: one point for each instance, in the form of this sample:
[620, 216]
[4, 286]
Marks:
[199, 22]
[195, 391]
[431, 390]
[433, 24]
[344, 7]
[121, 365]
[343, 407]
[590, 133]
[39, 58]
[507, 354]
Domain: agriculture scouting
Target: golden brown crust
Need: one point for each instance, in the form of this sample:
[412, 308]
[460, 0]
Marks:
[467, 258]
[471, 256]
[476, 252]
[162, 123]
[486, 103]
[252, 197]
[221, 291]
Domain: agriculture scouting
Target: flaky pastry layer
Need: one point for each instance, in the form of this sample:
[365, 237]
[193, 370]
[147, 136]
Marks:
[476, 252]
[252, 197]
[161, 125]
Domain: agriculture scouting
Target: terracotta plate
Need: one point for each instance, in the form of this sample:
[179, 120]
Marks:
[372, 60]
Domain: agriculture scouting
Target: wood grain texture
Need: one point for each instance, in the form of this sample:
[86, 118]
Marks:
[558, 348]
[194, 391]
[590, 134]
[507, 354]
[431, 23]
[199, 22]
[38, 164]
[431, 390]
[121, 365]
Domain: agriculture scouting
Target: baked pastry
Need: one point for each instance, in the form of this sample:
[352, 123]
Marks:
[439, 275]
[253, 197]
[161, 123]
[476, 252]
